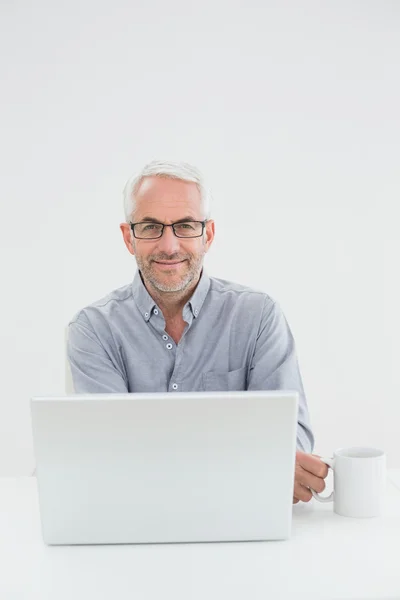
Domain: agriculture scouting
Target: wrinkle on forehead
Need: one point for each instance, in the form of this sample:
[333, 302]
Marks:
[167, 199]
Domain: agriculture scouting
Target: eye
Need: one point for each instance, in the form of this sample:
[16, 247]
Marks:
[185, 226]
[151, 227]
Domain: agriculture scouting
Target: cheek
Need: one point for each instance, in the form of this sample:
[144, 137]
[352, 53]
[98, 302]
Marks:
[194, 250]
[198, 247]
[145, 249]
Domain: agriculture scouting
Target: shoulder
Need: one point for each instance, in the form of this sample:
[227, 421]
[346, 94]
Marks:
[239, 293]
[116, 301]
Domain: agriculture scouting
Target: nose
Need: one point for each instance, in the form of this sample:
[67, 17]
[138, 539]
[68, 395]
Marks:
[168, 242]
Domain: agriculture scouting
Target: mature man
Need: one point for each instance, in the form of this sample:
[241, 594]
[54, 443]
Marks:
[175, 328]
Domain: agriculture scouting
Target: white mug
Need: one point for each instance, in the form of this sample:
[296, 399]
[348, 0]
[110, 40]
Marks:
[359, 476]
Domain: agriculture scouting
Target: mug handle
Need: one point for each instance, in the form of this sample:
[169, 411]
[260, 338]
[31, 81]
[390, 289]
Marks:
[330, 462]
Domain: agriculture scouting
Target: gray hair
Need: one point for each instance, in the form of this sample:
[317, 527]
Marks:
[169, 169]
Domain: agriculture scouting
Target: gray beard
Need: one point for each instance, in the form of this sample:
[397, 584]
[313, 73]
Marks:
[195, 266]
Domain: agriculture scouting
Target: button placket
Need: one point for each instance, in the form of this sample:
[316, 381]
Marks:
[175, 377]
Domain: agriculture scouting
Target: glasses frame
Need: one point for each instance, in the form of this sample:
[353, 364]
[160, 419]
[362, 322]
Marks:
[164, 225]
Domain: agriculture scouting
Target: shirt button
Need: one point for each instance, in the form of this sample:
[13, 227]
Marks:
[196, 312]
[155, 311]
[164, 337]
[169, 346]
[146, 315]
[174, 386]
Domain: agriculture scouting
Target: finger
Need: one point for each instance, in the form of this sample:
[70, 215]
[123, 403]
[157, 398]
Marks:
[302, 493]
[308, 480]
[312, 464]
[295, 500]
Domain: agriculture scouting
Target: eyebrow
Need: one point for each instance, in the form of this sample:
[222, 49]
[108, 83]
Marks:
[152, 220]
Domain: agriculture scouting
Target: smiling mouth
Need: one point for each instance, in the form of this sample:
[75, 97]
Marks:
[163, 262]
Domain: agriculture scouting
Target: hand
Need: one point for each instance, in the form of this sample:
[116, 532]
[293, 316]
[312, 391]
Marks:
[310, 472]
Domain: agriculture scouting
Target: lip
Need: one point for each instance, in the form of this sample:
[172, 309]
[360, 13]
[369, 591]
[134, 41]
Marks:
[168, 265]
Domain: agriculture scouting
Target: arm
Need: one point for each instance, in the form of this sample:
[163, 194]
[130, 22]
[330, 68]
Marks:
[92, 368]
[275, 367]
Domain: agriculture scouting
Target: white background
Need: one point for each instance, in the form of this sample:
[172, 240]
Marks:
[291, 110]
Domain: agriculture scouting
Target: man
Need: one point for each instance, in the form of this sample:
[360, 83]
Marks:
[177, 329]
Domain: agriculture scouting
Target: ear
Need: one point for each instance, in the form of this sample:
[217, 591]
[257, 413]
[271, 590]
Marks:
[127, 235]
[209, 233]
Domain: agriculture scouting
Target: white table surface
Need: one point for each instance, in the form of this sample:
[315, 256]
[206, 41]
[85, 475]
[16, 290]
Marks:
[328, 556]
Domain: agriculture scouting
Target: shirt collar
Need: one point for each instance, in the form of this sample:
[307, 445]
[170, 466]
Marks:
[144, 301]
[146, 304]
[200, 293]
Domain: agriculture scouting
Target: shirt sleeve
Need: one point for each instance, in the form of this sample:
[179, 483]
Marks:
[275, 367]
[92, 369]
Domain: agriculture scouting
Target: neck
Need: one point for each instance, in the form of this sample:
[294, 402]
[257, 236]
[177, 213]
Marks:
[171, 303]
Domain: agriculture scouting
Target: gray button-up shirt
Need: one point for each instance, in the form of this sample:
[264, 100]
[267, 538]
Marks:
[236, 338]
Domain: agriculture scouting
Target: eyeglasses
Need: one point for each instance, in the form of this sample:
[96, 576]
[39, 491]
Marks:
[152, 231]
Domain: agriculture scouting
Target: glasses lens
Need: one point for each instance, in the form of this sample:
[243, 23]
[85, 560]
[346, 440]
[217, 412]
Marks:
[148, 230]
[189, 229]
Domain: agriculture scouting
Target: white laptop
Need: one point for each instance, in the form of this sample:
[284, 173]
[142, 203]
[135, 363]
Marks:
[165, 467]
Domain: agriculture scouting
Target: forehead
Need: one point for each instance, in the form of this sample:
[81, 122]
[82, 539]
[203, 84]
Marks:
[167, 199]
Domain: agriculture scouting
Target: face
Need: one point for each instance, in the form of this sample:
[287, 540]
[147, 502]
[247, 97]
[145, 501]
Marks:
[169, 263]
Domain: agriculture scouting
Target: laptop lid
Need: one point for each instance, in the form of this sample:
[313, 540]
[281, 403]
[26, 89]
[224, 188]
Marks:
[184, 467]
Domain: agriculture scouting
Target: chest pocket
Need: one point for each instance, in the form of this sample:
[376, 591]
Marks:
[229, 381]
